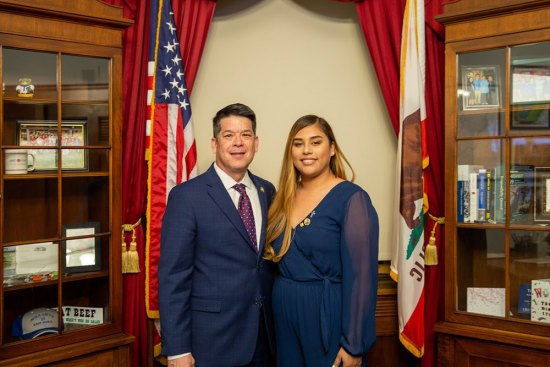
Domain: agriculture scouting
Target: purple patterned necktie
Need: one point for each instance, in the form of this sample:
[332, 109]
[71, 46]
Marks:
[245, 211]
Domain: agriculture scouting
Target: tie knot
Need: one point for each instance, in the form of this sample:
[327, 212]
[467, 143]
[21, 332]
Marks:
[241, 188]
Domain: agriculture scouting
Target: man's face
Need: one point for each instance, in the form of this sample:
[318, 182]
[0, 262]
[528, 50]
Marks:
[235, 146]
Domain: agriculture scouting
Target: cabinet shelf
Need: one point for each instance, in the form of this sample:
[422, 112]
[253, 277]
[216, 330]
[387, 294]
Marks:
[83, 102]
[39, 101]
[530, 107]
[39, 176]
[28, 101]
[483, 111]
[65, 279]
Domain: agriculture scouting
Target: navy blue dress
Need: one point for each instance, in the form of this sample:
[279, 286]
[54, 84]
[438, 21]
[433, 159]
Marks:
[324, 296]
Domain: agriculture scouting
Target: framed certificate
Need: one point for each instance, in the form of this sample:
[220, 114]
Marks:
[542, 194]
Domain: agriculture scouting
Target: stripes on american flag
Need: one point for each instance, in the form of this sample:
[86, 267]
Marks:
[171, 150]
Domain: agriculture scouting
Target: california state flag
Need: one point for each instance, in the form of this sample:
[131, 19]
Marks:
[407, 266]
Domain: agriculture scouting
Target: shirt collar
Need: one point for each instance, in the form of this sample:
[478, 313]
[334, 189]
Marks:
[228, 182]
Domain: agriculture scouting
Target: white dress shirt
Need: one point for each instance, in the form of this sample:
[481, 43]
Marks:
[252, 193]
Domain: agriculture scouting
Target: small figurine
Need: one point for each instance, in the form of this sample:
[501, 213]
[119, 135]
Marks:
[25, 88]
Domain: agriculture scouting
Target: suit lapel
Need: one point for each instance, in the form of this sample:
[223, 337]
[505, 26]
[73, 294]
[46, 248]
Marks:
[263, 203]
[219, 194]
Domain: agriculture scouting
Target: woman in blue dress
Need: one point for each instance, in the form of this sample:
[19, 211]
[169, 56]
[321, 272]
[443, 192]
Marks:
[323, 234]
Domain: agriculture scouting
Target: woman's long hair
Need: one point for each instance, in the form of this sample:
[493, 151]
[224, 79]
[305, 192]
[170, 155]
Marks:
[278, 217]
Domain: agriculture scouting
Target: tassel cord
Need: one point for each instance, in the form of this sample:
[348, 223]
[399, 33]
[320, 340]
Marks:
[430, 254]
[130, 257]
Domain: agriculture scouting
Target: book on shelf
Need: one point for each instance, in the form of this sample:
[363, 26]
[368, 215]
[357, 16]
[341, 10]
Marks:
[490, 212]
[463, 191]
[464, 213]
[481, 195]
[473, 198]
[540, 300]
[521, 193]
[500, 194]
[461, 205]
[524, 299]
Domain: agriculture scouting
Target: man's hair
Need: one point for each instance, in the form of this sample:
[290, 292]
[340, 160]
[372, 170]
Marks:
[235, 109]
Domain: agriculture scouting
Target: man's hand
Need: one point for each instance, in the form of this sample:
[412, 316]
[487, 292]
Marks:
[185, 361]
[344, 359]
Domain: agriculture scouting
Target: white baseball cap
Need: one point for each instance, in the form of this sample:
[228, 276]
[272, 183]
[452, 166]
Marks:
[35, 322]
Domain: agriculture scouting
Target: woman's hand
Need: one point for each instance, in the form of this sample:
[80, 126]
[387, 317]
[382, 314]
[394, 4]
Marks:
[344, 359]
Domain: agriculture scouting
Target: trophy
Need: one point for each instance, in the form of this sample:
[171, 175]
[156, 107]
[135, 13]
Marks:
[25, 88]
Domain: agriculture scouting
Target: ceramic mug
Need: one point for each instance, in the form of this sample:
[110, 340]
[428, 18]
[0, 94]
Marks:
[18, 161]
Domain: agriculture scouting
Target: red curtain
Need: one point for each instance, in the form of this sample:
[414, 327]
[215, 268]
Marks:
[193, 18]
[382, 22]
[434, 281]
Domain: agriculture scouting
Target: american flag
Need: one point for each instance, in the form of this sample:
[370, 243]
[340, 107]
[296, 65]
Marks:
[171, 149]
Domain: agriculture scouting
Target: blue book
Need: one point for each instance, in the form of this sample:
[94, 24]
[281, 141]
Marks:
[481, 195]
[460, 200]
[524, 299]
[490, 212]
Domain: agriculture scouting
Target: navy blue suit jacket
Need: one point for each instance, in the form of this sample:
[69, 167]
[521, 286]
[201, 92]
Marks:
[212, 283]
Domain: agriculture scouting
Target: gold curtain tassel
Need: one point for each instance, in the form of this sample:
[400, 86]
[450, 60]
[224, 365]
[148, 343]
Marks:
[130, 258]
[133, 258]
[124, 255]
[430, 254]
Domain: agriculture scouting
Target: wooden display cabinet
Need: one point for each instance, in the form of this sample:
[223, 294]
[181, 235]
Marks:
[497, 154]
[61, 67]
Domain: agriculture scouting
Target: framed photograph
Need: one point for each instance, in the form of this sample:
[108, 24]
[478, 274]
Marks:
[542, 194]
[42, 139]
[530, 84]
[81, 254]
[480, 87]
[530, 119]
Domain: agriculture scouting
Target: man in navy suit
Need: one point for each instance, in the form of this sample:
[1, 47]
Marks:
[214, 286]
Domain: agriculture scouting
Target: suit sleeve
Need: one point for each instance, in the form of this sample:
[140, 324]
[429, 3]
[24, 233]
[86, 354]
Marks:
[359, 253]
[175, 273]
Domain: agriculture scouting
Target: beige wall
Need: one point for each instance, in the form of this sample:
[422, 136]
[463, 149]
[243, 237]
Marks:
[288, 58]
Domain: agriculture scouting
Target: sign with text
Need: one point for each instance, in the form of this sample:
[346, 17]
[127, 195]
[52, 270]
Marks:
[82, 315]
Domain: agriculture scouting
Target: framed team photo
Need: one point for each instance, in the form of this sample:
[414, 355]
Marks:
[480, 87]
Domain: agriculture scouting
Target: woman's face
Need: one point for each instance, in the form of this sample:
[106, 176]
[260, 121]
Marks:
[311, 152]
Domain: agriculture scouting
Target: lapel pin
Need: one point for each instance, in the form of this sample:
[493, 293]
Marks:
[307, 221]
[262, 189]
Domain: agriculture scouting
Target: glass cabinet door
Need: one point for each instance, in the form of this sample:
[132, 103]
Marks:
[502, 183]
[56, 192]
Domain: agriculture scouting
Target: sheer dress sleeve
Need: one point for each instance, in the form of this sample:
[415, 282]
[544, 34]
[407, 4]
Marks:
[359, 254]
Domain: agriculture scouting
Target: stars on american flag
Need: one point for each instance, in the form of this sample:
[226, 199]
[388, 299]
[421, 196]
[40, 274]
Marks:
[170, 68]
